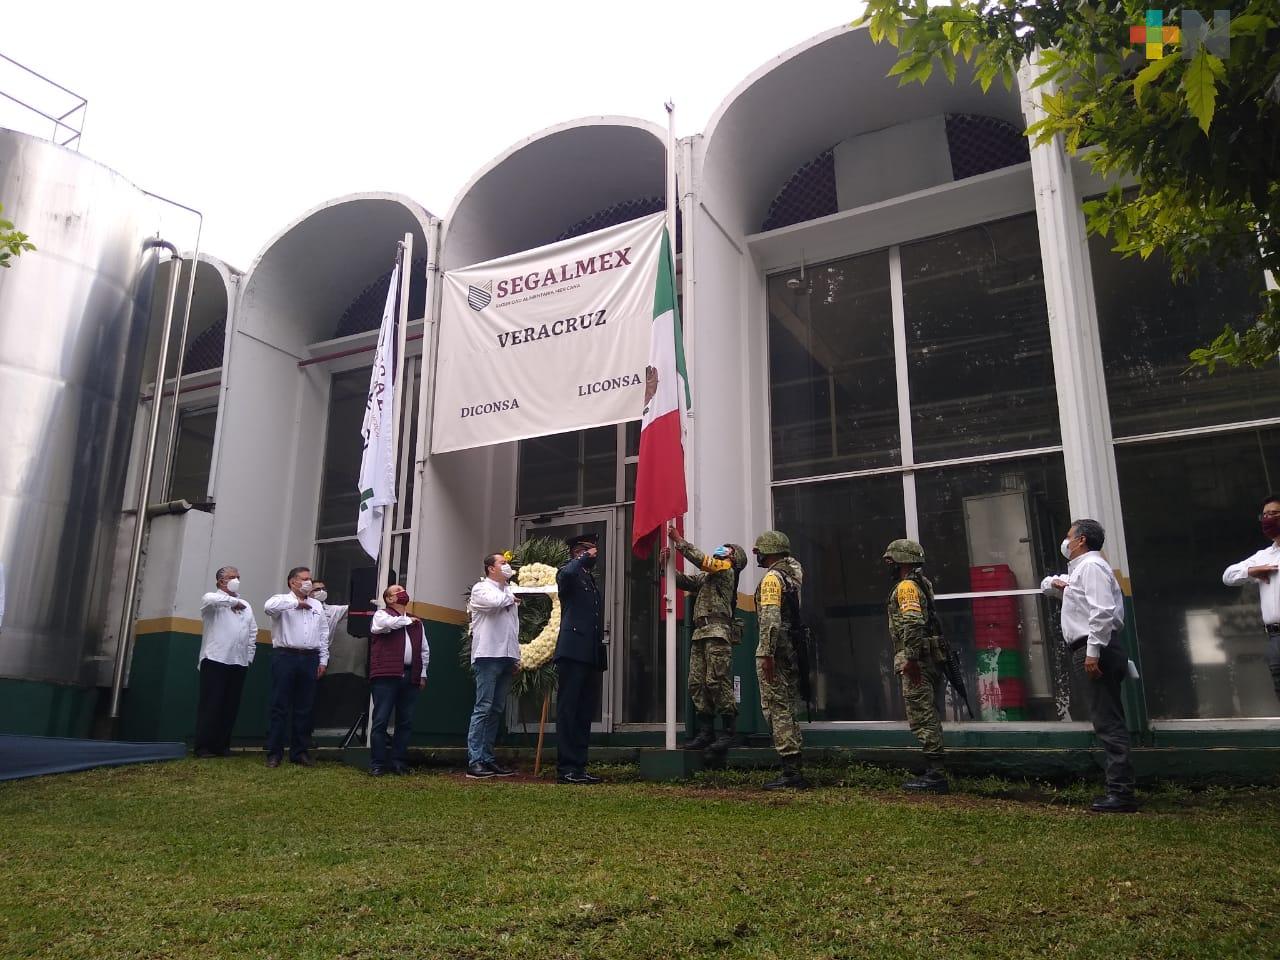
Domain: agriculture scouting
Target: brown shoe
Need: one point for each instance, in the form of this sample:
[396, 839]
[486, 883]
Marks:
[304, 760]
[273, 762]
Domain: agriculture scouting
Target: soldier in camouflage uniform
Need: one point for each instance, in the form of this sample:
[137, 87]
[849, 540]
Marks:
[715, 590]
[776, 656]
[919, 652]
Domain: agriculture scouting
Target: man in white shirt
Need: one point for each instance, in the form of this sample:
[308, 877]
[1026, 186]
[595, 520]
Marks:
[1092, 618]
[398, 659]
[342, 657]
[299, 656]
[495, 660]
[1263, 568]
[229, 641]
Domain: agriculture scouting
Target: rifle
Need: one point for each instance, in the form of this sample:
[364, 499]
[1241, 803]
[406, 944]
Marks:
[955, 676]
[801, 643]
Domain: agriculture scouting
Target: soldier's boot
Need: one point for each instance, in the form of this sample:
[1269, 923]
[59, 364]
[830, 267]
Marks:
[933, 780]
[727, 736]
[792, 777]
[705, 733]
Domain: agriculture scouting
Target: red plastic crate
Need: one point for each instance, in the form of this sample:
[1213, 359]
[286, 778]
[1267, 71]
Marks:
[997, 576]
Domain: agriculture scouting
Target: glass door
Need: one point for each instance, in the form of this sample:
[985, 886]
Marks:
[601, 523]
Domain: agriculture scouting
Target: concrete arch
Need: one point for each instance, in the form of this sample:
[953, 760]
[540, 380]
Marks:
[529, 195]
[212, 304]
[321, 261]
[791, 109]
[269, 457]
[535, 189]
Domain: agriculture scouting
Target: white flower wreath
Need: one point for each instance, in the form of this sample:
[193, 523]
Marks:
[540, 649]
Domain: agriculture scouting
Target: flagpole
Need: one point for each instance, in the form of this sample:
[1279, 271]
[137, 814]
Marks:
[669, 574]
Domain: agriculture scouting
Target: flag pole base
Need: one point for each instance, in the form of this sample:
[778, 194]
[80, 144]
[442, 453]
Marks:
[664, 766]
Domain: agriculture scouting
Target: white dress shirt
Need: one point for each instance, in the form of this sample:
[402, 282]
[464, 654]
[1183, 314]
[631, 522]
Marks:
[1269, 592]
[295, 628]
[384, 621]
[1092, 604]
[334, 614]
[495, 621]
[229, 636]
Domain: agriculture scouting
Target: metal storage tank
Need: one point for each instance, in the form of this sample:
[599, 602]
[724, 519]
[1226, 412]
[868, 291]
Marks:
[74, 319]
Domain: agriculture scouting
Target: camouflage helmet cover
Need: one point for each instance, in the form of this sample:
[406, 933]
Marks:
[904, 551]
[737, 556]
[772, 542]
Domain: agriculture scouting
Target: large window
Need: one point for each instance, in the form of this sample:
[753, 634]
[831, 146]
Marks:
[1190, 510]
[978, 342]
[979, 477]
[193, 456]
[838, 530]
[1189, 501]
[832, 385]
[577, 469]
[1148, 325]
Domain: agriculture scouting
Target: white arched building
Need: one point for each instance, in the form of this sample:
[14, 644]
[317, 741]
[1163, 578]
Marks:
[896, 325]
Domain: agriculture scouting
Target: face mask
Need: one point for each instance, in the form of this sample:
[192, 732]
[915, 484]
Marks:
[588, 561]
[507, 571]
[1065, 548]
[760, 560]
[721, 553]
[304, 587]
[233, 585]
[1271, 527]
[402, 598]
[322, 595]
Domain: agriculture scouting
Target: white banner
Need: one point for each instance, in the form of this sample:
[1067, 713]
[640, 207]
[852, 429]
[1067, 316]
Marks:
[548, 340]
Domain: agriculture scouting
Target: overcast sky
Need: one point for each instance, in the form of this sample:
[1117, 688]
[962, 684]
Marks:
[256, 112]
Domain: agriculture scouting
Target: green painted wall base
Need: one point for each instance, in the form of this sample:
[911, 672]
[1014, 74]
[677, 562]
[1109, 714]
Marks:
[37, 709]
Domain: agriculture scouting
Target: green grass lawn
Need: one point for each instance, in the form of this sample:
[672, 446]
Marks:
[228, 859]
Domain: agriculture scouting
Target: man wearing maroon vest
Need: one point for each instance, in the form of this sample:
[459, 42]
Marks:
[398, 659]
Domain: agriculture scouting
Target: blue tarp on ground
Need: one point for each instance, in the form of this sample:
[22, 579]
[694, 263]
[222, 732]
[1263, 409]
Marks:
[35, 756]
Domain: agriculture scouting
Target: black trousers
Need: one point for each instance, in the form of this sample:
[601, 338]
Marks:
[1106, 711]
[220, 687]
[293, 695]
[577, 699]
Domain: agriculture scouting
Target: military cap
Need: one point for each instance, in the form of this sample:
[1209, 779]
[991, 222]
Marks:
[583, 539]
[904, 551]
[772, 542]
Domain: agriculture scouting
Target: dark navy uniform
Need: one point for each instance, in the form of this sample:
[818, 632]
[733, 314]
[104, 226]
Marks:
[580, 657]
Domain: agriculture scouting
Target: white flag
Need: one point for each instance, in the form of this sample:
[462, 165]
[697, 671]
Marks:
[378, 464]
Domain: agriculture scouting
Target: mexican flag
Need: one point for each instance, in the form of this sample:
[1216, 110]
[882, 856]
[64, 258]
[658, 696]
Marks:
[660, 491]
[377, 484]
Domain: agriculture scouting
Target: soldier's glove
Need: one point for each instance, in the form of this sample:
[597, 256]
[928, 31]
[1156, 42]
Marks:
[766, 668]
[911, 670]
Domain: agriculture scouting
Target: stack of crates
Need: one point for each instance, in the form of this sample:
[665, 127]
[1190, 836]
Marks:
[1002, 688]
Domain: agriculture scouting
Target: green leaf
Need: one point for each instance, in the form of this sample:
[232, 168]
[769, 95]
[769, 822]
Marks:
[904, 63]
[1250, 23]
[918, 73]
[1200, 85]
[949, 66]
[1150, 72]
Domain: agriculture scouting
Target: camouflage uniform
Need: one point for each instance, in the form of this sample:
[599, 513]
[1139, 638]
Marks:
[778, 699]
[917, 635]
[715, 591]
